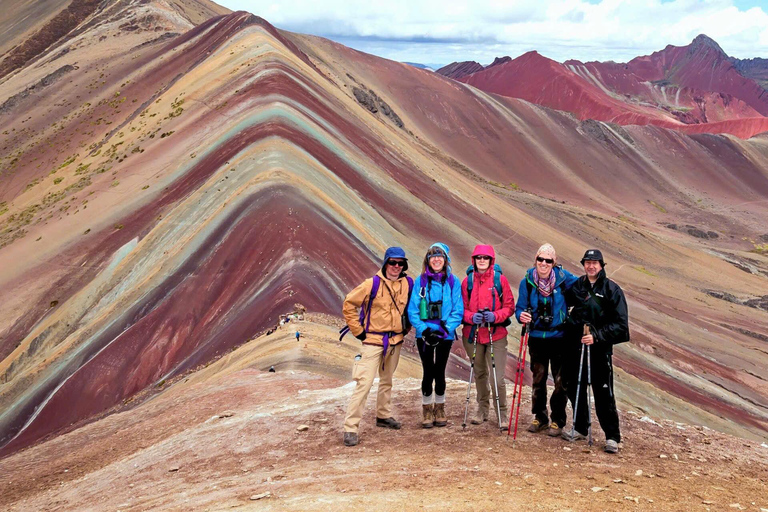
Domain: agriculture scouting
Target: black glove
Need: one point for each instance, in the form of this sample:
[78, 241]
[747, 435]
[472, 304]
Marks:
[426, 333]
[361, 336]
[433, 337]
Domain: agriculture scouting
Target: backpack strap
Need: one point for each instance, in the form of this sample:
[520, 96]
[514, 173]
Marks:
[470, 281]
[365, 311]
[374, 292]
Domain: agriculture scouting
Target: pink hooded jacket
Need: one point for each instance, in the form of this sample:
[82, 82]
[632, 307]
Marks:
[484, 295]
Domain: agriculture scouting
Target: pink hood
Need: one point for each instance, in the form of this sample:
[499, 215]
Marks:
[485, 250]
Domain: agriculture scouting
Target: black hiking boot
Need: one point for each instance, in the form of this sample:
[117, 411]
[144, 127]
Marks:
[350, 439]
[388, 423]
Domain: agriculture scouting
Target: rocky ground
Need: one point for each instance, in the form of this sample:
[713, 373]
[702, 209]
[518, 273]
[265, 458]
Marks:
[235, 436]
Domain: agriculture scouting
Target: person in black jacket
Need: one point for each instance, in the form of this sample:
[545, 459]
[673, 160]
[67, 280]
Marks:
[598, 303]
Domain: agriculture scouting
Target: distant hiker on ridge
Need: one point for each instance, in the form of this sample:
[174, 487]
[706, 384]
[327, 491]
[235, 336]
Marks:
[599, 304]
[543, 291]
[435, 311]
[488, 304]
[381, 326]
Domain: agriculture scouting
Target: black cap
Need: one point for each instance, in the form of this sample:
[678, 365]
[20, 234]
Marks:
[593, 255]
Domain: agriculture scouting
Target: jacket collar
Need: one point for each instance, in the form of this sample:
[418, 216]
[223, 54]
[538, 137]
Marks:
[383, 276]
[601, 277]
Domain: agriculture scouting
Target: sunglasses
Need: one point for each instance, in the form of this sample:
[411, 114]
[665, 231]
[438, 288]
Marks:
[482, 257]
[545, 260]
[395, 263]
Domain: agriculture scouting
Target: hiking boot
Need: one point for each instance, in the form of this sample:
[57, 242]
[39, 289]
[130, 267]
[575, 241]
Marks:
[388, 423]
[555, 430]
[479, 417]
[350, 439]
[429, 416]
[537, 426]
[440, 419]
[575, 435]
[611, 446]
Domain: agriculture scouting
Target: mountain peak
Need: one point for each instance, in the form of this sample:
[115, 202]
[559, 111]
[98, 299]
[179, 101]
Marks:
[706, 41]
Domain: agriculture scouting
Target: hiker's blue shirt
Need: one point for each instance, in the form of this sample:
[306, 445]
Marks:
[563, 282]
[435, 291]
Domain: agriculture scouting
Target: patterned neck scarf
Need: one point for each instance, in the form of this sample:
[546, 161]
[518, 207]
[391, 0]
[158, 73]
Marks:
[545, 286]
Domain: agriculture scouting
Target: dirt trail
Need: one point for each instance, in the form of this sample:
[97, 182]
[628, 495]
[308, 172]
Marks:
[230, 433]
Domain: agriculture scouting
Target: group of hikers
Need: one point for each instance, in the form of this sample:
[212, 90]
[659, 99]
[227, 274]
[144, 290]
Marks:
[562, 315]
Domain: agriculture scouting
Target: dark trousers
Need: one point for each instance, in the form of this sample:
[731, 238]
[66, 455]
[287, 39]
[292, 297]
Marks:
[602, 390]
[433, 361]
[547, 354]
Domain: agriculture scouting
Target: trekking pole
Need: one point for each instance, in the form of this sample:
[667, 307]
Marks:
[471, 370]
[589, 395]
[519, 375]
[578, 392]
[495, 379]
[517, 378]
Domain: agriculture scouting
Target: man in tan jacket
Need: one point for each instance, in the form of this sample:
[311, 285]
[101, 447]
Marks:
[382, 302]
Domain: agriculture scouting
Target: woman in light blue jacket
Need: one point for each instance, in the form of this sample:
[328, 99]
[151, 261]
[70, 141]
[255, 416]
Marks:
[435, 311]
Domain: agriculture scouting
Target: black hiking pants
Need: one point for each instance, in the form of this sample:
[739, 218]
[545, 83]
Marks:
[434, 359]
[602, 390]
[547, 354]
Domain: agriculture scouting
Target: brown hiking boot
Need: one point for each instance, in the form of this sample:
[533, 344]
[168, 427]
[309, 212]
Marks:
[555, 430]
[440, 419]
[480, 416]
[350, 439]
[429, 416]
[537, 426]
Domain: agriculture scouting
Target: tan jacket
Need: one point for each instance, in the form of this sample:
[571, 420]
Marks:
[385, 315]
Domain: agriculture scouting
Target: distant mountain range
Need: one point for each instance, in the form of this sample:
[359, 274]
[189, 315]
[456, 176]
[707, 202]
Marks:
[693, 88]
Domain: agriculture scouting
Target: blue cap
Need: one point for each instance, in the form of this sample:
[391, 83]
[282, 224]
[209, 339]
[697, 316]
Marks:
[394, 252]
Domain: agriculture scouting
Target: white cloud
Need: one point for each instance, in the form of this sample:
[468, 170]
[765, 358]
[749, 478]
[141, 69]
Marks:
[560, 29]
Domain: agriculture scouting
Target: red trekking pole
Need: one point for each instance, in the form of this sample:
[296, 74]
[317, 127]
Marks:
[519, 374]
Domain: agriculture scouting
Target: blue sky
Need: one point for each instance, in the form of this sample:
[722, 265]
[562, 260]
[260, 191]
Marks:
[435, 32]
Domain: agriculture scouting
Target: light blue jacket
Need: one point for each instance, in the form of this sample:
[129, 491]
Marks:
[453, 305]
[563, 282]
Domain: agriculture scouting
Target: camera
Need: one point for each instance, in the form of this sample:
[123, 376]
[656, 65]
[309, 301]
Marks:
[435, 310]
[544, 313]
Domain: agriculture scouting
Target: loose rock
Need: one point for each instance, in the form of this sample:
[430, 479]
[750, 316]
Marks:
[260, 496]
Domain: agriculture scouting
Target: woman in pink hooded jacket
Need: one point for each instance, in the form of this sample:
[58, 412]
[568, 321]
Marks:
[488, 304]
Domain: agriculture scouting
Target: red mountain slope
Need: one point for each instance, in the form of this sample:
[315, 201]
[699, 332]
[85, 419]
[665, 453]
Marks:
[678, 86]
[543, 81]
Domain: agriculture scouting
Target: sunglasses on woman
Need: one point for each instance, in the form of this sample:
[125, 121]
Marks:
[482, 257]
[395, 263]
[545, 260]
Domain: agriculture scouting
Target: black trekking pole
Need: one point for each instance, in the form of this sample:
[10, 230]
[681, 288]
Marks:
[471, 370]
[495, 379]
[578, 393]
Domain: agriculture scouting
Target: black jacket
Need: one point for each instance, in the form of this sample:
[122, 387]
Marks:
[605, 312]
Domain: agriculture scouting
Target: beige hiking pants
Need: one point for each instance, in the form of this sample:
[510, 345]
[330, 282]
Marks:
[364, 372]
[483, 379]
